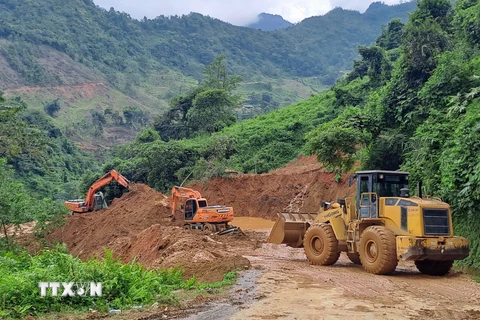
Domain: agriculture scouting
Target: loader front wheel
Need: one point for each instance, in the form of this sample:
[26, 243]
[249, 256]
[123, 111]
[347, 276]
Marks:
[378, 253]
[321, 245]
[354, 257]
[434, 268]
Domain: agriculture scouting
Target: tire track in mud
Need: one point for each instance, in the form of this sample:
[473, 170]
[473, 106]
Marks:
[290, 288]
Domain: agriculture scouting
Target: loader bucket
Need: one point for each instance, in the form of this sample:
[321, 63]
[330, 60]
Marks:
[290, 228]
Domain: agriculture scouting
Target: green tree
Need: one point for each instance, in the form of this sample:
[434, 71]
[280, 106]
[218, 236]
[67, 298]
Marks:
[205, 109]
[52, 108]
[215, 75]
[391, 37]
[14, 201]
[336, 147]
[212, 111]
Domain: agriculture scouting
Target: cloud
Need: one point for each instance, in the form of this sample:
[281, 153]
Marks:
[238, 12]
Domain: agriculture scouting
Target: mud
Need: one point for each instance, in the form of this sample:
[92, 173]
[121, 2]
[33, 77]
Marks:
[298, 187]
[252, 223]
[243, 294]
[138, 227]
[290, 288]
[279, 282]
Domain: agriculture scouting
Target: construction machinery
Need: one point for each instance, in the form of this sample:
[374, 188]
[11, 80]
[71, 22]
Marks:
[198, 214]
[95, 200]
[381, 225]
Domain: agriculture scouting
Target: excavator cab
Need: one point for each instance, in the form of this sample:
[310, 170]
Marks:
[95, 200]
[99, 201]
[191, 209]
[192, 206]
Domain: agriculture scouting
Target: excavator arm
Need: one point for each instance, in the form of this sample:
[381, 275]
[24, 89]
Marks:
[87, 204]
[182, 192]
[103, 181]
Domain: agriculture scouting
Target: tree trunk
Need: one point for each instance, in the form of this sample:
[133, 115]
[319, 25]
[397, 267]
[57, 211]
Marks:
[6, 234]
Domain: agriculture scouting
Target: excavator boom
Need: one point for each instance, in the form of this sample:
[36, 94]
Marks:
[182, 192]
[87, 204]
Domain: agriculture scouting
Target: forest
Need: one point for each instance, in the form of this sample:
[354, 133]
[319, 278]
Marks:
[54, 54]
[410, 102]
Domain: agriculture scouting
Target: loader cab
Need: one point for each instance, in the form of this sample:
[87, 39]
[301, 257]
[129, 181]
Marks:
[378, 183]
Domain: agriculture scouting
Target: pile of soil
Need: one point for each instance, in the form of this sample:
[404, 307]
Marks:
[206, 256]
[298, 187]
[87, 234]
[138, 226]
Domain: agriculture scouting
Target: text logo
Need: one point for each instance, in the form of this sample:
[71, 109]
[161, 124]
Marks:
[70, 289]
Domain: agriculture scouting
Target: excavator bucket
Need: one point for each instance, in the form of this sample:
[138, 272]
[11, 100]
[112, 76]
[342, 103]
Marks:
[290, 228]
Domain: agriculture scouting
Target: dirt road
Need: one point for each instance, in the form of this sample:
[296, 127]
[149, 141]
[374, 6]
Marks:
[288, 287]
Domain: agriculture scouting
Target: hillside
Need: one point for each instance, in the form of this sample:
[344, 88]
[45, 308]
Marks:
[270, 22]
[51, 50]
[412, 103]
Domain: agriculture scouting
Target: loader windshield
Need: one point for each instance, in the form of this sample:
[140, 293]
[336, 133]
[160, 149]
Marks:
[389, 185]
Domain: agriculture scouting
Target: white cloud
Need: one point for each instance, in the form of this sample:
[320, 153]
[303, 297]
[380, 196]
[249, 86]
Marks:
[238, 12]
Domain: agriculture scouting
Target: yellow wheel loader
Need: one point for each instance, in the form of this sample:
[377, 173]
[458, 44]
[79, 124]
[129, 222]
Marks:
[381, 225]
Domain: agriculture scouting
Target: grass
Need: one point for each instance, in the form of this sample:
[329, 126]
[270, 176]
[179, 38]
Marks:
[124, 285]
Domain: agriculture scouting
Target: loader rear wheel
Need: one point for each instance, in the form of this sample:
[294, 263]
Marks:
[209, 227]
[321, 245]
[354, 257]
[434, 268]
[378, 253]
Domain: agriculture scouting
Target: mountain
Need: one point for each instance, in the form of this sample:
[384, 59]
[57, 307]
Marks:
[411, 105]
[102, 67]
[270, 22]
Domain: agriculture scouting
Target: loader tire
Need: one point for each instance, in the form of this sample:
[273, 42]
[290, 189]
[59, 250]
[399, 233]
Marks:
[321, 245]
[434, 268]
[354, 257]
[378, 253]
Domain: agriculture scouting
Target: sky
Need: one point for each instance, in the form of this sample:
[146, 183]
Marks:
[237, 12]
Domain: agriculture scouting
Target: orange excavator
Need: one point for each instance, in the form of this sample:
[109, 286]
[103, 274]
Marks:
[198, 214]
[95, 200]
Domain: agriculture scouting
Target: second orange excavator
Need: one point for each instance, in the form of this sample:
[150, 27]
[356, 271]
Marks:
[198, 214]
[95, 200]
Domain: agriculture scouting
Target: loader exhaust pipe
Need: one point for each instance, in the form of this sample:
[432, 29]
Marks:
[419, 189]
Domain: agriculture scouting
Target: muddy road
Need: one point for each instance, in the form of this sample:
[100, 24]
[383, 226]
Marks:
[288, 287]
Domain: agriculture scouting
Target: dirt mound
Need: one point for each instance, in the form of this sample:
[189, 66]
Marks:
[299, 187]
[137, 226]
[137, 210]
[206, 256]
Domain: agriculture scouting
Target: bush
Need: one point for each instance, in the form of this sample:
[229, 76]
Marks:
[123, 285]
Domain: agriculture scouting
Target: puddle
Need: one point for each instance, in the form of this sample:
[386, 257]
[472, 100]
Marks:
[252, 223]
[243, 293]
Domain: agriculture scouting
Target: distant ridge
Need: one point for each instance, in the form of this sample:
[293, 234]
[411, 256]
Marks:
[270, 22]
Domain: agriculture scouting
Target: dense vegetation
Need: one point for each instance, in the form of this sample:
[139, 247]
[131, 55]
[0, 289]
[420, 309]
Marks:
[143, 64]
[121, 46]
[123, 285]
[270, 22]
[43, 159]
[411, 102]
